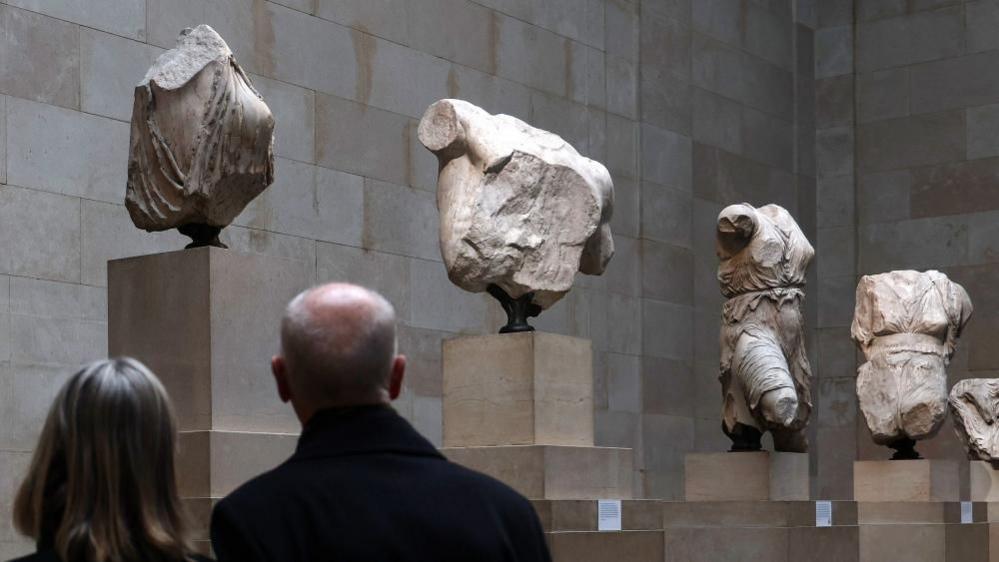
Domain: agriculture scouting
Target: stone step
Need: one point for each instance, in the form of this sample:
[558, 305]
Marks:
[593, 546]
[553, 471]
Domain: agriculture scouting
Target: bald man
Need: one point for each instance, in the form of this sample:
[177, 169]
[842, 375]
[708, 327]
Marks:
[363, 485]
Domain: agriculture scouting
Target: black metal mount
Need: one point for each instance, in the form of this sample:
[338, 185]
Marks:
[744, 438]
[202, 235]
[517, 310]
[905, 449]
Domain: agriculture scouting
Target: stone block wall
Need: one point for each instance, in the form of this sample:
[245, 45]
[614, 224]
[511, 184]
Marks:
[905, 96]
[692, 104]
[926, 162]
[834, 273]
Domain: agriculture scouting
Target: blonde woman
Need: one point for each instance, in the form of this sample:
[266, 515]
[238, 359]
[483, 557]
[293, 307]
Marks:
[101, 485]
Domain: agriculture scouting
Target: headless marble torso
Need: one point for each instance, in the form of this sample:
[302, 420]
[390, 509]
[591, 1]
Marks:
[765, 374]
[907, 324]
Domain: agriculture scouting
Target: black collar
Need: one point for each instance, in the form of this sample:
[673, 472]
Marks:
[359, 430]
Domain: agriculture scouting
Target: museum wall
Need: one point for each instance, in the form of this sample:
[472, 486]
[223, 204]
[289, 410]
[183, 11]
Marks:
[927, 167]
[691, 104]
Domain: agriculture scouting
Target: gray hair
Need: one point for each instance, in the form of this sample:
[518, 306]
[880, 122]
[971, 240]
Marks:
[338, 339]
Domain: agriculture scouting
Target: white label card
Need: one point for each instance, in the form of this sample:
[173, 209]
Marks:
[823, 514]
[966, 513]
[608, 515]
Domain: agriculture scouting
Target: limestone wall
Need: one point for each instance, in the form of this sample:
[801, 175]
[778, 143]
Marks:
[907, 151]
[692, 104]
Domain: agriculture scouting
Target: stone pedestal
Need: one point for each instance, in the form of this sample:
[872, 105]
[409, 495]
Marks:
[529, 388]
[571, 527]
[552, 471]
[760, 475]
[984, 479]
[206, 321]
[923, 480]
[921, 531]
[775, 531]
[519, 407]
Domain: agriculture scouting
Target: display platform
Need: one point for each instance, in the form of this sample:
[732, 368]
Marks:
[519, 407]
[203, 320]
[746, 476]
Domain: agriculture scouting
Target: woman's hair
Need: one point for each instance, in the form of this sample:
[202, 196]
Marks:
[101, 486]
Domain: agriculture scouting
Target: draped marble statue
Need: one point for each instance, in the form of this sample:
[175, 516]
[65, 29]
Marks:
[975, 406]
[202, 140]
[520, 210]
[907, 324]
[765, 375]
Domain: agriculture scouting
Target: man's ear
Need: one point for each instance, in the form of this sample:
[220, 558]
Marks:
[280, 370]
[395, 379]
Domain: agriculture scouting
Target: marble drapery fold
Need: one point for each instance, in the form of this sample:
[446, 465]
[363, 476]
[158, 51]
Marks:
[765, 374]
[202, 140]
[975, 406]
[907, 324]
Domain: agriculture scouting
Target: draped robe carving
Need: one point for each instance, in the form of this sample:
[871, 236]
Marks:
[765, 374]
[907, 324]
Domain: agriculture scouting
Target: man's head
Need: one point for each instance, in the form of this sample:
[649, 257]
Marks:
[338, 348]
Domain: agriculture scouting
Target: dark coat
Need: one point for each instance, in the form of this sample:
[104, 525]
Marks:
[364, 486]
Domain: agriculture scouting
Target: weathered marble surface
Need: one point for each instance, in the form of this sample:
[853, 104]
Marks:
[202, 140]
[975, 405]
[519, 207]
[907, 324]
[765, 375]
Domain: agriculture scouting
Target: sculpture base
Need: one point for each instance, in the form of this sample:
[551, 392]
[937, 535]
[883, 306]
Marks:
[553, 472]
[517, 310]
[930, 531]
[745, 438]
[923, 480]
[205, 321]
[212, 464]
[739, 531]
[573, 536]
[202, 235]
[984, 478]
[786, 531]
[760, 475]
[530, 388]
[905, 450]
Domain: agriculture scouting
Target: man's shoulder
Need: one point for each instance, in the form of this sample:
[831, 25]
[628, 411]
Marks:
[261, 489]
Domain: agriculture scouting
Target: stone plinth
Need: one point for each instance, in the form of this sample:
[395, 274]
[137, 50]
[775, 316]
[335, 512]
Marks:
[760, 475]
[581, 515]
[984, 481]
[519, 407]
[916, 542]
[753, 514]
[206, 321]
[922, 480]
[924, 531]
[590, 546]
[212, 464]
[571, 528]
[518, 389]
[775, 531]
[553, 472]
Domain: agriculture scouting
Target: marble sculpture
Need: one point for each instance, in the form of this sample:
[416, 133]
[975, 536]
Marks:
[520, 210]
[202, 140]
[765, 375]
[907, 324]
[975, 405]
